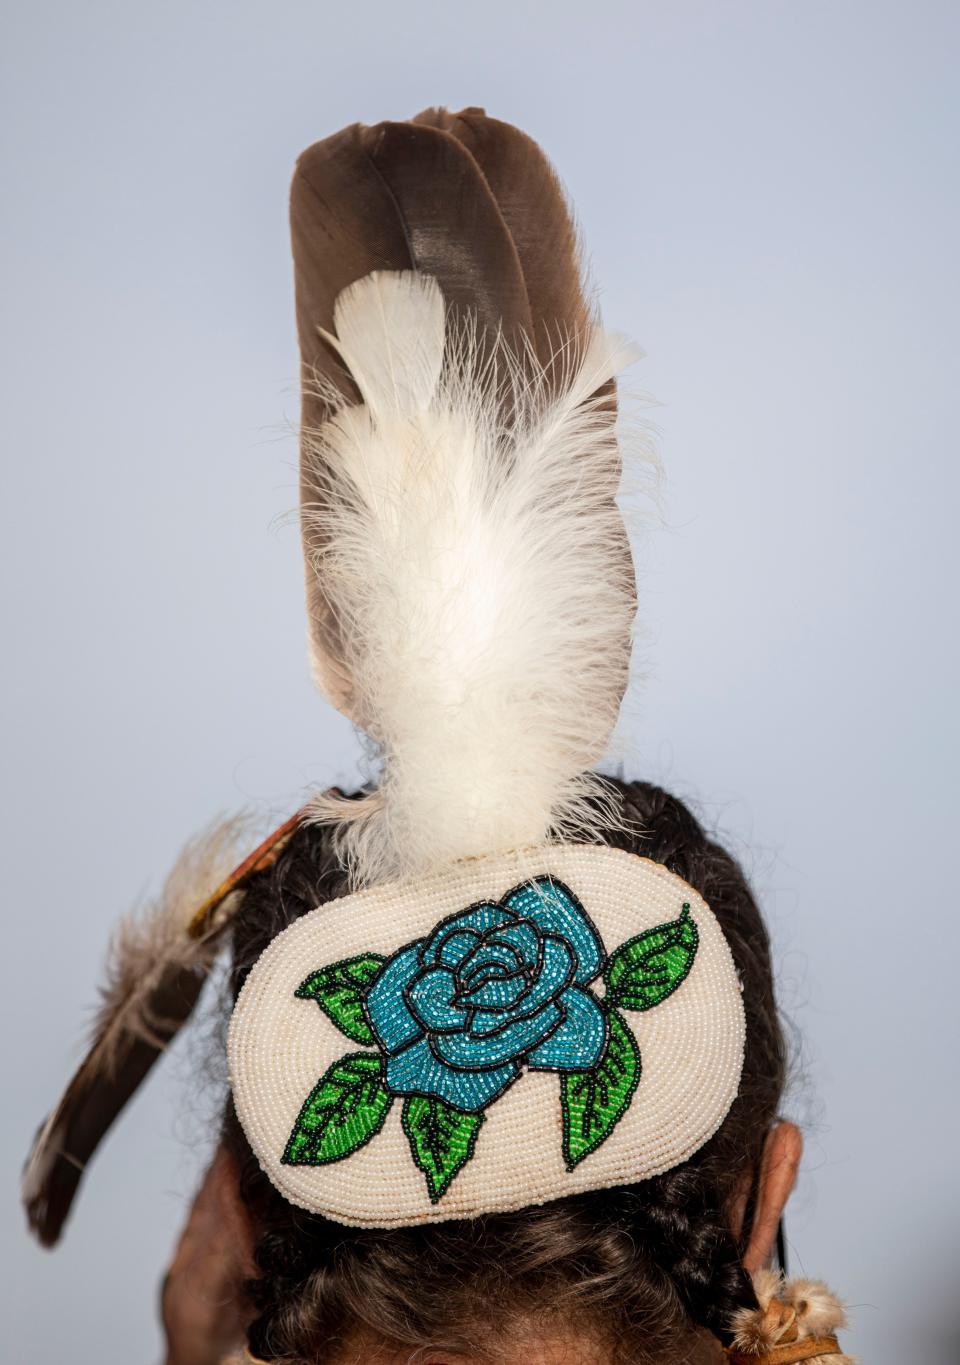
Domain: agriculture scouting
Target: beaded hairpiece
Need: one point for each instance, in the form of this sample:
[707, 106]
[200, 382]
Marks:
[499, 1034]
[501, 1011]
[501, 1014]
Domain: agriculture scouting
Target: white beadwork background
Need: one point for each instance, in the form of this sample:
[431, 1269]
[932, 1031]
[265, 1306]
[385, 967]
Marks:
[691, 1046]
[769, 196]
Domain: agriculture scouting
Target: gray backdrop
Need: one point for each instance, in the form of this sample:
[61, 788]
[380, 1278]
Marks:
[769, 196]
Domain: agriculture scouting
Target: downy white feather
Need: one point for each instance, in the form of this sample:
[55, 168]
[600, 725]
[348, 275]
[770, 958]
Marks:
[154, 939]
[479, 570]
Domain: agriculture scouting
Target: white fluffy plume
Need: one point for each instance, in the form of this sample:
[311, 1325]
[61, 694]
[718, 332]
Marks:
[469, 544]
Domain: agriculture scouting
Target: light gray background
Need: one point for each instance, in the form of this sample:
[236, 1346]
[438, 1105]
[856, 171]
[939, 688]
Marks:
[769, 196]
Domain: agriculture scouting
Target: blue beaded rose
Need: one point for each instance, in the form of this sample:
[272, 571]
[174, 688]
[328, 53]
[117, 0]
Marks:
[449, 1021]
[492, 988]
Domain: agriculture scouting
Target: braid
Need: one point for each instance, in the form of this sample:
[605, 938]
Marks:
[686, 1233]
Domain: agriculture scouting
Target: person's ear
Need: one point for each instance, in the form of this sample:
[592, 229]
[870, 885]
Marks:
[777, 1176]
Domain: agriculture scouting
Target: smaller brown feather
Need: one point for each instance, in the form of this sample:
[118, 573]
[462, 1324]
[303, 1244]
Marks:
[155, 975]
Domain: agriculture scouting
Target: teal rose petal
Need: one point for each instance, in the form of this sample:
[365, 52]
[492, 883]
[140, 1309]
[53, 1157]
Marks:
[392, 1023]
[510, 1041]
[556, 974]
[489, 958]
[523, 936]
[416, 1071]
[478, 920]
[430, 995]
[450, 950]
[579, 1041]
[554, 909]
[495, 993]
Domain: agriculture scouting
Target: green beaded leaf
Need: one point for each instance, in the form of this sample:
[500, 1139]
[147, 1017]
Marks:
[339, 990]
[441, 1139]
[593, 1102]
[646, 969]
[343, 1112]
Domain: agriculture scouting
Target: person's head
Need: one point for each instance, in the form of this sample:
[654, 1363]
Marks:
[625, 1274]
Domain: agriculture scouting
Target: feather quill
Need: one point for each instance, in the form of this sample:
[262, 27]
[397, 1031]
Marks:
[478, 567]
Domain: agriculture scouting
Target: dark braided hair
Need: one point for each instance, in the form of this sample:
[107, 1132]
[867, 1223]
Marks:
[635, 1270]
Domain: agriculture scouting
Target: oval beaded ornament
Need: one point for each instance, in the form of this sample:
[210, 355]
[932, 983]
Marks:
[517, 1028]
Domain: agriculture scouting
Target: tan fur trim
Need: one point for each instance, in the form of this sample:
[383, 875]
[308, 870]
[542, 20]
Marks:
[757, 1331]
[819, 1311]
[793, 1316]
[766, 1286]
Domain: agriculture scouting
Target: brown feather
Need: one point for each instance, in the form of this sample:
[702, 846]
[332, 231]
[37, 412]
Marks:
[538, 218]
[343, 224]
[396, 196]
[155, 975]
[105, 1081]
[465, 198]
[453, 224]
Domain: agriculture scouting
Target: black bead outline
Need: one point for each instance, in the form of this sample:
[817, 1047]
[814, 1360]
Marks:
[301, 994]
[479, 1115]
[619, 1111]
[684, 917]
[285, 1160]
